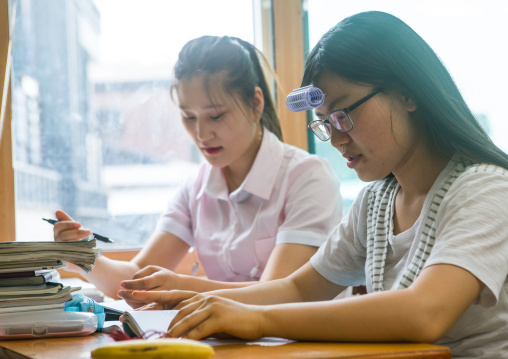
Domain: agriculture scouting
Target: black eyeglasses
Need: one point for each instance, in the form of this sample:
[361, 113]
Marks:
[339, 119]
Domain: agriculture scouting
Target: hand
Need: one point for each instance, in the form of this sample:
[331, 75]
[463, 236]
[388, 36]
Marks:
[66, 229]
[161, 300]
[152, 278]
[205, 315]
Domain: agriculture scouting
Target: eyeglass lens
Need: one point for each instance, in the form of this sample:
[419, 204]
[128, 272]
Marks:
[320, 129]
[340, 120]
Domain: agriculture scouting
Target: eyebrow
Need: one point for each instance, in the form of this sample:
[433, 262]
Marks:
[331, 106]
[210, 107]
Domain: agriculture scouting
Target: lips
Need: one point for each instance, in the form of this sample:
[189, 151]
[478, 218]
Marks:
[352, 159]
[350, 156]
[212, 150]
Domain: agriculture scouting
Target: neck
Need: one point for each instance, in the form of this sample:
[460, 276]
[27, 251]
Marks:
[419, 172]
[236, 173]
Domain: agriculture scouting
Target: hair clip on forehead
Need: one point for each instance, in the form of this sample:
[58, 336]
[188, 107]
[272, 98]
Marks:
[305, 98]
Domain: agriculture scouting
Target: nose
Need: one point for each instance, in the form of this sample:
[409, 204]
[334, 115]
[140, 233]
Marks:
[339, 139]
[203, 130]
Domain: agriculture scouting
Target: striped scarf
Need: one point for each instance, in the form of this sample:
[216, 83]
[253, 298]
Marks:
[381, 197]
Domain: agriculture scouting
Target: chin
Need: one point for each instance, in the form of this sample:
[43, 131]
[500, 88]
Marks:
[369, 177]
[216, 162]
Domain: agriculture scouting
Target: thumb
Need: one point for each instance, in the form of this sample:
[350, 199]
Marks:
[62, 216]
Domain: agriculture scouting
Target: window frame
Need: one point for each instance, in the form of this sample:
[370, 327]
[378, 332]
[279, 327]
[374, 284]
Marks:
[7, 209]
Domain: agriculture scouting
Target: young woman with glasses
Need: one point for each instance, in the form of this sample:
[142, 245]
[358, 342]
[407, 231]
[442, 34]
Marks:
[257, 210]
[428, 236]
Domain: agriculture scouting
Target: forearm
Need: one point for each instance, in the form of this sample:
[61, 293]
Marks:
[386, 316]
[200, 285]
[108, 273]
[304, 285]
[263, 293]
[424, 312]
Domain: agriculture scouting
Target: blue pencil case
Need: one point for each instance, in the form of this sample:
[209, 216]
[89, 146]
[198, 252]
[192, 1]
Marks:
[81, 303]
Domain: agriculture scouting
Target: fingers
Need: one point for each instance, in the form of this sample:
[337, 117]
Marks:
[207, 315]
[147, 283]
[66, 229]
[130, 299]
[168, 299]
[185, 302]
[196, 325]
[145, 279]
[62, 216]
[146, 271]
[69, 231]
[202, 317]
[188, 316]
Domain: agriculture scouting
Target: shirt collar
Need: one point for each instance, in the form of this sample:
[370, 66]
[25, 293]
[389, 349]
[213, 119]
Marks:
[259, 181]
[261, 178]
[214, 184]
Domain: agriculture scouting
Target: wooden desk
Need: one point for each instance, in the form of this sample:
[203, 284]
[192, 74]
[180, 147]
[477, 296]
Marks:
[80, 347]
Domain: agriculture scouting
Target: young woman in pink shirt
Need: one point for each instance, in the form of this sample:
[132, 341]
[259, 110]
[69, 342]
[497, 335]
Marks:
[257, 210]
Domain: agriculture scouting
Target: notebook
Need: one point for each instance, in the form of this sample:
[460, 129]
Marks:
[16, 279]
[140, 322]
[29, 266]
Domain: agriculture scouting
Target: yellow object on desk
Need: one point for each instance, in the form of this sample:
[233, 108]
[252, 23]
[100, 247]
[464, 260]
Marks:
[154, 348]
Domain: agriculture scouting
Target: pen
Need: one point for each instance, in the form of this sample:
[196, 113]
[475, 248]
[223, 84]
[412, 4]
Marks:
[97, 236]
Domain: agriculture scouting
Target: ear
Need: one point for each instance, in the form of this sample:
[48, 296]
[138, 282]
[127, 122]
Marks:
[409, 104]
[258, 103]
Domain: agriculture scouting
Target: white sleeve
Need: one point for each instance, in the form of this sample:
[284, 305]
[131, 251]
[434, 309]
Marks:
[472, 231]
[341, 259]
[313, 204]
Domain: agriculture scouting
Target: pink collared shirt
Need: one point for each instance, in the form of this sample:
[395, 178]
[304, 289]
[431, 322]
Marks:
[289, 196]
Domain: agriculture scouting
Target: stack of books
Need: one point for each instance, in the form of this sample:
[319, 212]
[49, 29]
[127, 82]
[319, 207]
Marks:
[26, 273]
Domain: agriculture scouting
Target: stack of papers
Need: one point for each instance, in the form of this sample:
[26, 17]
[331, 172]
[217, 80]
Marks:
[47, 255]
[26, 280]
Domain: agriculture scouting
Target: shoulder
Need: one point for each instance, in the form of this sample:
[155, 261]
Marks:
[298, 160]
[479, 176]
[304, 175]
[477, 186]
[291, 156]
[485, 169]
[195, 181]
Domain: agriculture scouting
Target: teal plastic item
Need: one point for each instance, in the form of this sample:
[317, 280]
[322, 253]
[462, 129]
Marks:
[81, 303]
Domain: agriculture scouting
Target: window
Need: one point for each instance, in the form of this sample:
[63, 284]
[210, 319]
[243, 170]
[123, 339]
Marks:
[470, 38]
[94, 130]
[282, 43]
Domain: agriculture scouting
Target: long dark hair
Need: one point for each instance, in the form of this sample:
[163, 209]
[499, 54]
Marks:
[379, 49]
[240, 63]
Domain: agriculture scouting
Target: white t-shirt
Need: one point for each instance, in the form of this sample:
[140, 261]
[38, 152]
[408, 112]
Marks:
[472, 233]
[289, 196]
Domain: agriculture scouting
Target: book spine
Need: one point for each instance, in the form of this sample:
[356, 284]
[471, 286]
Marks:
[17, 274]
